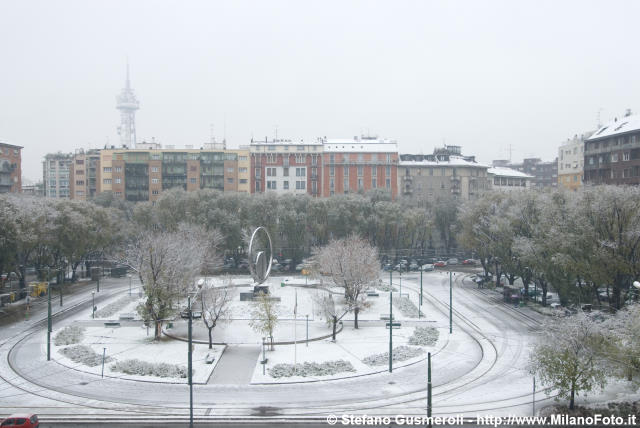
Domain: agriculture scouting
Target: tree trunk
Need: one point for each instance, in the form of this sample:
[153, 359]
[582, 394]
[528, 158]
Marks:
[525, 282]
[334, 324]
[157, 330]
[355, 313]
[23, 273]
[573, 394]
[543, 285]
[498, 275]
[210, 338]
[271, 341]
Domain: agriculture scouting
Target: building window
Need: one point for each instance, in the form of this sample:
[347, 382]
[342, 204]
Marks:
[271, 185]
[155, 192]
[230, 170]
[314, 159]
[243, 158]
[346, 171]
[243, 181]
[360, 157]
[155, 180]
[271, 158]
[388, 183]
[360, 170]
[257, 172]
[300, 148]
[242, 170]
[374, 171]
[332, 184]
[301, 185]
[106, 181]
[374, 183]
[106, 169]
[346, 186]
[332, 171]
[154, 169]
[614, 157]
[314, 187]
[271, 172]
[388, 158]
[78, 161]
[285, 185]
[301, 159]
[79, 182]
[285, 172]
[118, 169]
[118, 180]
[80, 172]
[230, 180]
[301, 172]
[257, 186]
[193, 180]
[360, 184]
[625, 156]
[118, 193]
[387, 171]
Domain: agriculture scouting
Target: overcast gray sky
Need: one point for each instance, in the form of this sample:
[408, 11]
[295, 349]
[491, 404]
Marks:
[485, 75]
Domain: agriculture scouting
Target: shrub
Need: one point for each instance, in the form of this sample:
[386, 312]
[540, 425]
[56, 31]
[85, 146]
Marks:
[69, 335]
[311, 369]
[400, 353]
[424, 336]
[407, 307]
[83, 354]
[144, 368]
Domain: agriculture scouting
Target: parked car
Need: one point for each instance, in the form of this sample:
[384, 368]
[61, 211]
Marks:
[469, 262]
[452, 261]
[440, 263]
[21, 420]
[387, 267]
[427, 267]
[414, 267]
[299, 267]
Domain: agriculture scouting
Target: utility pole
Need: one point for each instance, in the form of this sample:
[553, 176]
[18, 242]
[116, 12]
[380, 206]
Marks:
[60, 285]
[420, 305]
[190, 369]
[400, 281]
[307, 316]
[429, 388]
[104, 352]
[450, 303]
[49, 327]
[93, 304]
[534, 396]
[390, 330]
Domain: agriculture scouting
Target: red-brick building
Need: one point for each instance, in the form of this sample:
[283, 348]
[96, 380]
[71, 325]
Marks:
[10, 168]
[358, 165]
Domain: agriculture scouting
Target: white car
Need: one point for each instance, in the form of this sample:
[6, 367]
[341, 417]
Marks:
[428, 267]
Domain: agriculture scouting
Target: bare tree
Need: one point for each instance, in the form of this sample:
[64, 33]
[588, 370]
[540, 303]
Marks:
[327, 307]
[264, 316]
[216, 305]
[168, 264]
[352, 263]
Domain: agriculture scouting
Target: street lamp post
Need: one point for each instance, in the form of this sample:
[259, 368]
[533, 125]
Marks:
[420, 305]
[450, 303]
[189, 364]
[129, 275]
[49, 327]
[390, 330]
[307, 316]
[93, 304]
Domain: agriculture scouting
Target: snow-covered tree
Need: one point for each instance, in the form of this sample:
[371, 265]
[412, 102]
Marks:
[353, 265]
[264, 316]
[216, 305]
[623, 329]
[168, 263]
[567, 356]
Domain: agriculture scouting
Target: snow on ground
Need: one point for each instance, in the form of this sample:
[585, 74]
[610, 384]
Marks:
[126, 343]
[351, 345]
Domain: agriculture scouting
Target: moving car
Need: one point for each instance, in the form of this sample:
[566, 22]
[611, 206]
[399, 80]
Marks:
[452, 261]
[427, 267]
[414, 266]
[440, 264]
[470, 262]
[21, 420]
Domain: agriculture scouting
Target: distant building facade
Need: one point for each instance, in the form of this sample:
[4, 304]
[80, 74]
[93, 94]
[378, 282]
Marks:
[10, 168]
[571, 162]
[285, 166]
[56, 169]
[358, 165]
[612, 153]
[508, 179]
[445, 172]
[545, 174]
[83, 182]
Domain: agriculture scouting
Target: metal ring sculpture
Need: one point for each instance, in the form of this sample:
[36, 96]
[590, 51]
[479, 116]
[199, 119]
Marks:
[257, 265]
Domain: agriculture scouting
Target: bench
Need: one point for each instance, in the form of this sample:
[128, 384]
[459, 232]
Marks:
[127, 317]
[112, 324]
[372, 294]
[209, 359]
[393, 325]
[385, 317]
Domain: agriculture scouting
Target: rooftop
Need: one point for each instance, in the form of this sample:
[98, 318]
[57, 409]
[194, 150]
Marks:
[507, 172]
[6, 144]
[441, 161]
[617, 126]
[360, 145]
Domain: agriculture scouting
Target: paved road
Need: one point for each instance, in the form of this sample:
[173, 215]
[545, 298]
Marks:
[236, 365]
[478, 371]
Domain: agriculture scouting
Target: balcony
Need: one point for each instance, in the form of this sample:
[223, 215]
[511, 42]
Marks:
[407, 179]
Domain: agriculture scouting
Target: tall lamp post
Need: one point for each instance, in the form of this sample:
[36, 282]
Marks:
[93, 304]
[420, 304]
[189, 364]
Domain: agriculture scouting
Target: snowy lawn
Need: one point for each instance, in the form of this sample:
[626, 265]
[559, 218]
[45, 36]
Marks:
[130, 343]
[352, 346]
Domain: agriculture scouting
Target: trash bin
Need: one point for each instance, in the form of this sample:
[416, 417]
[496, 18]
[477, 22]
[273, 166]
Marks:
[521, 304]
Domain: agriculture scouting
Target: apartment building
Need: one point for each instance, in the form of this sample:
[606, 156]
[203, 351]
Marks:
[84, 167]
[10, 168]
[56, 169]
[571, 162]
[445, 172]
[143, 174]
[612, 153]
[358, 165]
[286, 166]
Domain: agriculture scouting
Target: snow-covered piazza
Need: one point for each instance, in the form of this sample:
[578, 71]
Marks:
[479, 369]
